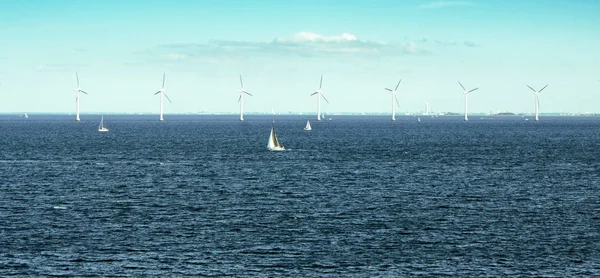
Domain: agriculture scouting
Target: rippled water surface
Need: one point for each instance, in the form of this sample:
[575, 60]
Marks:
[356, 196]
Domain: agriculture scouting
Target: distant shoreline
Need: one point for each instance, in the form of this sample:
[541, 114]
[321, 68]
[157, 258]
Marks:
[441, 114]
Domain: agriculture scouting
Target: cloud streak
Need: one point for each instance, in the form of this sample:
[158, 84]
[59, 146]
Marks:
[471, 44]
[444, 4]
[303, 44]
[66, 67]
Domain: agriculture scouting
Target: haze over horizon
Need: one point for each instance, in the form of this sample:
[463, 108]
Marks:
[120, 50]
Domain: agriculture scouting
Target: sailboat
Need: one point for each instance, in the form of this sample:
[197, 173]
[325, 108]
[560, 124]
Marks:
[273, 144]
[307, 127]
[101, 127]
[26, 117]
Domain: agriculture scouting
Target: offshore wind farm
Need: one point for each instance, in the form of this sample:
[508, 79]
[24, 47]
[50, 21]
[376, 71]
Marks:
[271, 179]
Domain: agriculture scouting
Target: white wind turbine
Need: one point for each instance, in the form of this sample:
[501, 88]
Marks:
[242, 91]
[537, 100]
[319, 94]
[466, 98]
[162, 92]
[394, 97]
[77, 91]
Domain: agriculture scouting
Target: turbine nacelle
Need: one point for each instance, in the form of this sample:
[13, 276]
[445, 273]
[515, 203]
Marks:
[163, 90]
[79, 90]
[393, 92]
[320, 91]
[465, 91]
[537, 92]
[319, 94]
[242, 91]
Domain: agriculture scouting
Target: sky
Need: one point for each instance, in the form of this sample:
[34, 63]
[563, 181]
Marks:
[120, 50]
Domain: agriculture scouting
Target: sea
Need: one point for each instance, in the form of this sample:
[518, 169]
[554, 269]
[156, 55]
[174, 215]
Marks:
[358, 196]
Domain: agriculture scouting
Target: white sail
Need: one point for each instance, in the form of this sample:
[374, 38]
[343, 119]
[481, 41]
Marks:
[307, 127]
[273, 144]
[101, 127]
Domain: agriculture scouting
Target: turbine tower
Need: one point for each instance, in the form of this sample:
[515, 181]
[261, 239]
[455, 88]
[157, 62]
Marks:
[162, 92]
[394, 97]
[77, 91]
[319, 94]
[242, 91]
[466, 98]
[537, 100]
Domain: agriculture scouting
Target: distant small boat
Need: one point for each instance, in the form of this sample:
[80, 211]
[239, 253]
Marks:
[307, 127]
[273, 144]
[26, 117]
[101, 127]
[418, 119]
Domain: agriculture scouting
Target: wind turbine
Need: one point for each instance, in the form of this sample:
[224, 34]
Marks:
[537, 100]
[242, 91]
[394, 97]
[466, 98]
[77, 91]
[319, 94]
[162, 92]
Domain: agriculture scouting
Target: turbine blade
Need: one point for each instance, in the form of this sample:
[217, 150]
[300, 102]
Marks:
[473, 90]
[240, 98]
[532, 89]
[542, 88]
[462, 86]
[321, 83]
[163, 84]
[157, 93]
[248, 93]
[324, 98]
[398, 85]
[389, 89]
[241, 82]
[314, 93]
[168, 98]
[77, 76]
[83, 92]
[397, 102]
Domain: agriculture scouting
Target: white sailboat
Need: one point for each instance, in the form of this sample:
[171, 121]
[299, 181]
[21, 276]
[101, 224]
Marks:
[273, 144]
[101, 127]
[307, 127]
[26, 117]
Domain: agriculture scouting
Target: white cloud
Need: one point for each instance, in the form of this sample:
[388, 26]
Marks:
[303, 44]
[471, 44]
[313, 37]
[175, 56]
[444, 4]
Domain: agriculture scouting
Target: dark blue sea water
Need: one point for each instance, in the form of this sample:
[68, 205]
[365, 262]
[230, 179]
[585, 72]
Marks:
[356, 196]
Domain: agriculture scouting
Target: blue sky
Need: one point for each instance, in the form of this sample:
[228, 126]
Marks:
[121, 48]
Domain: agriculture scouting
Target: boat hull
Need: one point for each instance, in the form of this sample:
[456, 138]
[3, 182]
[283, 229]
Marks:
[276, 149]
